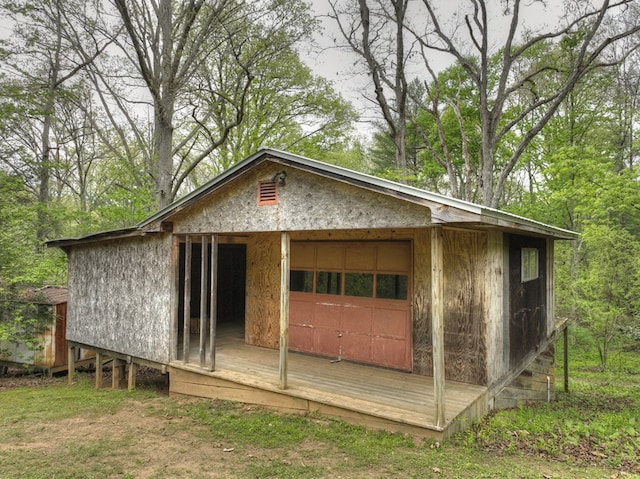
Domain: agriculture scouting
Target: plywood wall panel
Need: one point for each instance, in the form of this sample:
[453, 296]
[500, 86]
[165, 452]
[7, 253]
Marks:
[120, 296]
[497, 324]
[465, 327]
[422, 348]
[263, 290]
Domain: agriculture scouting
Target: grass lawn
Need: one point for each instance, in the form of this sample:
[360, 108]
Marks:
[57, 431]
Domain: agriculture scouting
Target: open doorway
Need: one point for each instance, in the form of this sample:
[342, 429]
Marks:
[231, 288]
[232, 280]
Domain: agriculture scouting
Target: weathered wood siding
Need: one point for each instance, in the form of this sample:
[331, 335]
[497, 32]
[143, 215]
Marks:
[465, 290]
[305, 202]
[262, 326]
[120, 296]
[497, 322]
[422, 348]
[465, 326]
[535, 384]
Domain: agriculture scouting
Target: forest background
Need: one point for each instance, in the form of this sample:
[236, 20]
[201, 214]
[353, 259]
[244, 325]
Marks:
[111, 109]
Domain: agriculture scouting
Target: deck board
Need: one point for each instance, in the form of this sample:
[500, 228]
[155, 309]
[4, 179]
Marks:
[377, 392]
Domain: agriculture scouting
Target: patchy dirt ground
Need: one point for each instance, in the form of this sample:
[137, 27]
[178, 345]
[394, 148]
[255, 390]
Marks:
[150, 438]
[141, 440]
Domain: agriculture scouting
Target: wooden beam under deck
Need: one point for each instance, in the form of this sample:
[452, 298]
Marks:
[375, 397]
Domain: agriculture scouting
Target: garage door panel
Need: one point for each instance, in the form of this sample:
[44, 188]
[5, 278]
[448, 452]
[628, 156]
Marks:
[329, 256]
[300, 312]
[366, 316]
[327, 315]
[326, 342]
[356, 347]
[360, 258]
[357, 319]
[394, 257]
[302, 256]
[300, 337]
[391, 323]
[393, 353]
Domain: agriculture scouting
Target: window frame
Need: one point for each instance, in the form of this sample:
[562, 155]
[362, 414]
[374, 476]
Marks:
[529, 264]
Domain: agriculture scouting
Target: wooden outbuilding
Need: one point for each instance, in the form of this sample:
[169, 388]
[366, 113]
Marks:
[46, 350]
[304, 286]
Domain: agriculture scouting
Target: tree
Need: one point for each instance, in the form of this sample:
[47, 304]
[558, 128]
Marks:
[505, 70]
[42, 67]
[381, 45]
[175, 46]
[607, 284]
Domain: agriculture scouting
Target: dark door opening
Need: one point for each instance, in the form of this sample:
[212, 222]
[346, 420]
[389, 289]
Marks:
[231, 288]
[232, 279]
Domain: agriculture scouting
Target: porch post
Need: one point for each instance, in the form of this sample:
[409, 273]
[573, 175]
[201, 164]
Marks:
[566, 357]
[284, 307]
[186, 330]
[213, 312]
[99, 367]
[437, 323]
[71, 364]
[204, 263]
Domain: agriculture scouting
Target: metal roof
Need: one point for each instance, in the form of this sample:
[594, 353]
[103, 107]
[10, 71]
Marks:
[486, 215]
[352, 176]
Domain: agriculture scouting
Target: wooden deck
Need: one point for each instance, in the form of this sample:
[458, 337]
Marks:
[375, 397]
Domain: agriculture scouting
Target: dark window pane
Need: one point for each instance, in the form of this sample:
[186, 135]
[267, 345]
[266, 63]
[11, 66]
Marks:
[358, 284]
[392, 286]
[301, 281]
[327, 282]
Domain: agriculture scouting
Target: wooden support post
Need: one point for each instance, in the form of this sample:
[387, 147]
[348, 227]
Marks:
[133, 369]
[566, 357]
[437, 323]
[71, 364]
[175, 298]
[213, 312]
[186, 330]
[204, 263]
[99, 366]
[117, 373]
[284, 308]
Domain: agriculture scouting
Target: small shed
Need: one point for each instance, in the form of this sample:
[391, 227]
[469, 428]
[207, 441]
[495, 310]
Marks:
[47, 348]
[305, 286]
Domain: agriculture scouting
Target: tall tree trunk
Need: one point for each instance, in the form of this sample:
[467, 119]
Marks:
[45, 226]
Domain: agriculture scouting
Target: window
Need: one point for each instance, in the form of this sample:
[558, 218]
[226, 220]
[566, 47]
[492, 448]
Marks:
[328, 282]
[358, 284]
[530, 267]
[392, 286]
[301, 281]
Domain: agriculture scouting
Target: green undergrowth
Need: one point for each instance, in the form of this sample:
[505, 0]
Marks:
[590, 432]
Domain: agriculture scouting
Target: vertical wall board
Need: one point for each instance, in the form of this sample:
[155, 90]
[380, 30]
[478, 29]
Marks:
[422, 349]
[120, 296]
[263, 290]
[494, 306]
[175, 301]
[464, 295]
[551, 306]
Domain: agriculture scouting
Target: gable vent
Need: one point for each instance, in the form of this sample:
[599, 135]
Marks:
[268, 192]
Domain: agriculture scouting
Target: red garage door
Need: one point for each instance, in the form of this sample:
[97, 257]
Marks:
[352, 301]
